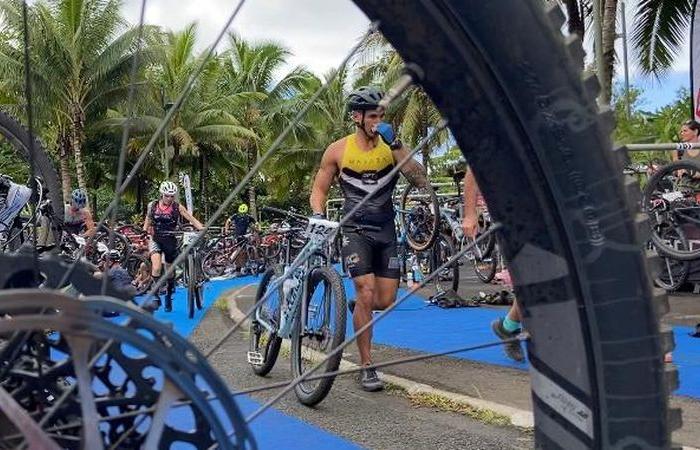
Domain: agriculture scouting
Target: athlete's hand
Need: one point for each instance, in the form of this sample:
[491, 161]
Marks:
[469, 226]
[386, 132]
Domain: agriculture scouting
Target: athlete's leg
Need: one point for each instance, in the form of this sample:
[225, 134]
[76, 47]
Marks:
[385, 292]
[156, 260]
[362, 314]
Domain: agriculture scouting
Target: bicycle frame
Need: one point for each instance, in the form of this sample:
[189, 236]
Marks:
[296, 278]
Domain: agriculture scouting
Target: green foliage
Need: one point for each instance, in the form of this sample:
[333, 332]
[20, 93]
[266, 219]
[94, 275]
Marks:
[235, 110]
[643, 127]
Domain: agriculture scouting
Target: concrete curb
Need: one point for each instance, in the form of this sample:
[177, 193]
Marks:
[518, 417]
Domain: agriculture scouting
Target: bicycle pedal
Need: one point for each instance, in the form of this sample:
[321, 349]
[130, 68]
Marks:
[255, 358]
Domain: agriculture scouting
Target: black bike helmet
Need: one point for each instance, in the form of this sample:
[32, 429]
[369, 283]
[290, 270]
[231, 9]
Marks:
[364, 98]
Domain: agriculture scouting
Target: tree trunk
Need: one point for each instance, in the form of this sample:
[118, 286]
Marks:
[77, 125]
[252, 195]
[609, 35]
[66, 180]
[202, 174]
[139, 194]
[174, 162]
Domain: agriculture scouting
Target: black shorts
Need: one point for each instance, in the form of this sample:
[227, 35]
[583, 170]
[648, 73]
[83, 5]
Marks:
[366, 252]
[166, 246]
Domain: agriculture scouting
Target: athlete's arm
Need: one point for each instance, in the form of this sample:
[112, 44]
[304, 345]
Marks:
[190, 218]
[413, 170]
[469, 221]
[227, 225]
[324, 178]
[89, 223]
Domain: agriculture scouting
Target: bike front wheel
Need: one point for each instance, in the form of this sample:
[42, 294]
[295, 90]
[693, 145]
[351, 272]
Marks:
[191, 279]
[321, 333]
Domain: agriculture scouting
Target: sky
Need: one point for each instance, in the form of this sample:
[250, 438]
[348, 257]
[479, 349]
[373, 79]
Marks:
[320, 33]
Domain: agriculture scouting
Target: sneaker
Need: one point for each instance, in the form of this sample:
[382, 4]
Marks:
[513, 349]
[370, 381]
[351, 306]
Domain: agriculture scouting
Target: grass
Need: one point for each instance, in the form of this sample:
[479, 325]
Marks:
[439, 402]
[221, 304]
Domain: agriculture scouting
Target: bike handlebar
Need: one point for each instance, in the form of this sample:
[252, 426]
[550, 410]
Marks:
[285, 213]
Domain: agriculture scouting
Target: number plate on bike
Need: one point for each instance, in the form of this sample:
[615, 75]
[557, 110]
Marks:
[320, 230]
[188, 237]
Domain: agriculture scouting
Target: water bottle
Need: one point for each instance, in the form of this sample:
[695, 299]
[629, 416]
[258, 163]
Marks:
[288, 285]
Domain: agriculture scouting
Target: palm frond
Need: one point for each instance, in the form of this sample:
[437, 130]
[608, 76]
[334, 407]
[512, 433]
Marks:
[659, 32]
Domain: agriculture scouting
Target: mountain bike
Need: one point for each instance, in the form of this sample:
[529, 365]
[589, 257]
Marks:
[191, 275]
[302, 300]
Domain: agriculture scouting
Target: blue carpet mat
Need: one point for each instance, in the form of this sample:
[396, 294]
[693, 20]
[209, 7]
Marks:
[273, 429]
[416, 325]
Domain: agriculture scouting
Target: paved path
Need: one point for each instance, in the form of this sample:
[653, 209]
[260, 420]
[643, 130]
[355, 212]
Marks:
[349, 418]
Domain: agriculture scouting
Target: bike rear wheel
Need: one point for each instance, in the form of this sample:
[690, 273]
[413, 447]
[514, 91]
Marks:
[442, 251]
[262, 341]
[191, 280]
[323, 331]
[420, 217]
[19, 138]
[671, 201]
[673, 273]
[486, 264]
[214, 263]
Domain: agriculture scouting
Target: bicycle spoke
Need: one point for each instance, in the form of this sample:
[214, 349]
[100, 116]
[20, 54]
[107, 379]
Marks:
[125, 138]
[31, 431]
[80, 349]
[168, 396]
[30, 130]
[394, 362]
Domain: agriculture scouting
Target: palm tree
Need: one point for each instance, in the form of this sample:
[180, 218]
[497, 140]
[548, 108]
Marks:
[380, 64]
[203, 132]
[292, 169]
[251, 73]
[80, 66]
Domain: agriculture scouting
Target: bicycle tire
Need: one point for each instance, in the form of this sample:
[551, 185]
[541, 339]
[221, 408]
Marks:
[273, 344]
[658, 228]
[540, 151]
[681, 272]
[672, 273]
[485, 267]
[434, 227]
[312, 393]
[214, 264]
[199, 283]
[443, 250]
[19, 138]
[191, 279]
